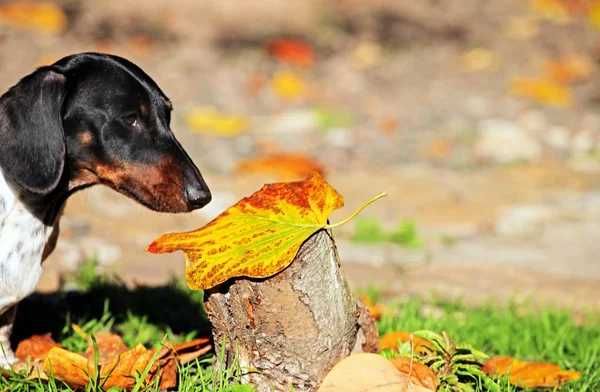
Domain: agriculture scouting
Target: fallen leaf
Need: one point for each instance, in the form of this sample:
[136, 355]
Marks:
[211, 120]
[570, 69]
[529, 374]
[419, 374]
[479, 59]
[543, 91]
[367, 55]
[368, 372]
[292, 52]
[375, 309]
[188, 351]
[594, 15]
[75, 370]
[522, 28]
[288, 85]
[553, 10]
[390, 341]
[285, 166]
[389, 125]
[35, 347]
[439, 149]
[258, 236]
[109, 347]
[117, 364]
[43, 16]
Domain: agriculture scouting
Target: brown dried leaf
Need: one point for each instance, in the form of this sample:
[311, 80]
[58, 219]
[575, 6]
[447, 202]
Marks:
[36, 347]
[109, 347]
[368, 372]
[188, 351]
[419, 374]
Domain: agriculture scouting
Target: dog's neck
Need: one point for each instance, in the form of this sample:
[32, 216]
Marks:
[39, 207]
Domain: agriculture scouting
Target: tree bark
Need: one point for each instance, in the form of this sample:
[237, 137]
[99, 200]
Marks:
[294, 326]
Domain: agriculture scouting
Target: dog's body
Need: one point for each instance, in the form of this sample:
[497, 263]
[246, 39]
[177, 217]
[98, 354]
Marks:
[87, 119]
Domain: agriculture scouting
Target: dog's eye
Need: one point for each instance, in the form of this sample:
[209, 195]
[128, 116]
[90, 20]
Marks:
[132, 120]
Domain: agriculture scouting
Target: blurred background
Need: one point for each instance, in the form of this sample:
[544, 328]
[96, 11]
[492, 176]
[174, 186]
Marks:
[480, 118]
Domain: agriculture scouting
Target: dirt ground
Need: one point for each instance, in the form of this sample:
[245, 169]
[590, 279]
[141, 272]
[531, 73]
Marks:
[513, 182]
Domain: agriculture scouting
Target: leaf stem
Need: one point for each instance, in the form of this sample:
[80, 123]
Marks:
[333, 226]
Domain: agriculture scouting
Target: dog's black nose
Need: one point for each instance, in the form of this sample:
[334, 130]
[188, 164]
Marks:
[197, 195]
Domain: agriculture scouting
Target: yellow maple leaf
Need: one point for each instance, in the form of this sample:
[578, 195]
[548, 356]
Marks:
[44, 16]
[288, 85]
[553, 10]
[543, 91]
[211, 120]
[594, 15]
[259, 235]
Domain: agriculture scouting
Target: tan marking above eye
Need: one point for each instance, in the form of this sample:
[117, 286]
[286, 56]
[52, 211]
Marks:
[144, 110]
[85, 137]
[169, 105]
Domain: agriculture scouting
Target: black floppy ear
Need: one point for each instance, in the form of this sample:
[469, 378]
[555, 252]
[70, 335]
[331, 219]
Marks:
[32, 141]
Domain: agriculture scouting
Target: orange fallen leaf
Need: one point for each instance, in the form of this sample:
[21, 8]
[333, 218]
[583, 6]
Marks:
[375, 309]
[368, 372]
[44, 16]
[570, 69]
[389, 125]
[109, 346]
[288, 85]
[390, 341]
[285, 166]
[530, 374]
[439, 149]
[75, 369]
[118, 364]
[419, 374]
[35, 347]
[259, 235]
[543, 91]
[292, 52]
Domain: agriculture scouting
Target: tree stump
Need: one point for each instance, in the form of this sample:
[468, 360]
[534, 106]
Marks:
[292, 327]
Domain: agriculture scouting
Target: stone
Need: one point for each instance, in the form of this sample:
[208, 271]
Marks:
[502, 141]
[339, 137]
[559, 138]
[523, 219]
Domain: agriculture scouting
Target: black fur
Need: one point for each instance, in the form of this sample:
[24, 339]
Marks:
[94, 118]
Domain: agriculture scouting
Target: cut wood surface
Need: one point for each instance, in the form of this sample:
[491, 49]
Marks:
[293, 327]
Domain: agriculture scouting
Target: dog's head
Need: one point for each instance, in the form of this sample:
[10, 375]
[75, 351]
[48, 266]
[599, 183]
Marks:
[93, 118]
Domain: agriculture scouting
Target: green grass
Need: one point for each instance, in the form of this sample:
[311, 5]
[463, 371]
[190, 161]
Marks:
[540, 335]
[148, 315]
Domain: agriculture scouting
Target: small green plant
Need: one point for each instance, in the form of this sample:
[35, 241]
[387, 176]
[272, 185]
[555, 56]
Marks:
[457, 366]
[369, 230]
[406, 235]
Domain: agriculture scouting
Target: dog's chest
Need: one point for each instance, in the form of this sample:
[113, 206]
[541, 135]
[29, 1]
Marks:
[22, 240]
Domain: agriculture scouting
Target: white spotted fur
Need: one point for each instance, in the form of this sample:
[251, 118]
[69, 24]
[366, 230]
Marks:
[23, 237]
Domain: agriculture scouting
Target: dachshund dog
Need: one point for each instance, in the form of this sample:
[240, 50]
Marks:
[87, 119]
